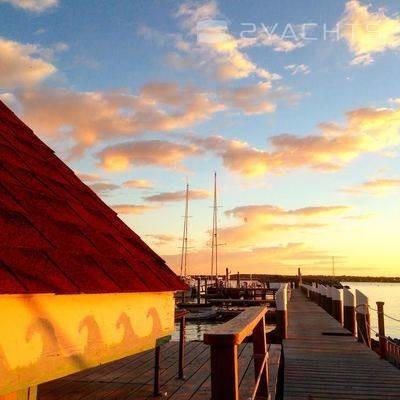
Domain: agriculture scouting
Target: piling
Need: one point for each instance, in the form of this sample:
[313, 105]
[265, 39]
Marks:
[349, 316]
[381, 329]
[329, 306]
[337, 304]
[362, 318]
[281, 311]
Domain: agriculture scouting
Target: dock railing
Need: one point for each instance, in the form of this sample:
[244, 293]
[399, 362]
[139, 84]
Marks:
[224, 341]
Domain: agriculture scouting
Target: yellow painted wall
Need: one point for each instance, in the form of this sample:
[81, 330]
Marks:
[43, 337]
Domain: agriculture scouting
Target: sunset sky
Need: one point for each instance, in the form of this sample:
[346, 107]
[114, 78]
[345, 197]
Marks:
[296, 106]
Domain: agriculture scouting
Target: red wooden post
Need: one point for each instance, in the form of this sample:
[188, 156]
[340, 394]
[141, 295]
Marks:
[349, 315]
[381, 329]
[362, 317]
[224, 372]
[260, 353]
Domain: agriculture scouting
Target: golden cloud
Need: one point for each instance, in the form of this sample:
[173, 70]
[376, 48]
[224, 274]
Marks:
[162, 153]
[375, 187]
[22, 65]
[268, 260]
[132, 209]
[161, 239]
[194, 194]
[365, 130]
[259, 222]
[138, 184]
[88, 117]
[251, 99]
[367, 32]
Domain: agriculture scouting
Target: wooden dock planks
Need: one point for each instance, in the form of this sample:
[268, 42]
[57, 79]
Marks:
[319, 366]
[131, 378]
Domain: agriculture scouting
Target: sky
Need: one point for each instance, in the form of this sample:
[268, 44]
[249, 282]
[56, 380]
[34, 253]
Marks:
[295, 106]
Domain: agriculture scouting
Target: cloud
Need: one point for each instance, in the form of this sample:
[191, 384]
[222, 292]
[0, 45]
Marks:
[161, 153]
[162, 239]
[251, 99]
[365, 130]
[194, 194]
[23, 65]
[132, 209]
[252, 212]
[367, 32]
[89, 117]
[138, 184]
[96, 183]
[32, 5]
[296, 69]
[375, 187]
[103, 188]
[224, 59]
[258, 223]
[290, 38]
[279, 259]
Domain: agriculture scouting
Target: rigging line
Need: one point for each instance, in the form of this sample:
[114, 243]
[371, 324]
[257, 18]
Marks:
[184, 236]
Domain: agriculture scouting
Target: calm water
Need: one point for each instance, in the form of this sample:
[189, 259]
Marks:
[194, 331]
[387, 292]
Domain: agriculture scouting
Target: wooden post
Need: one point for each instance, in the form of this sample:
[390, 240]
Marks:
[224, 369]
[329, 307]
[323, 296]
[156, 385]
[337, 304]
[226, 276]
[281, 311]
[349, 316]
[362, 317]
[198, 290]
[260, 353]
[182, 337]
[238, 280]
[381, 329]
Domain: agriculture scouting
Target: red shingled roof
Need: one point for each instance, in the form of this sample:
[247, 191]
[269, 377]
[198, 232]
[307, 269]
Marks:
[56, 235]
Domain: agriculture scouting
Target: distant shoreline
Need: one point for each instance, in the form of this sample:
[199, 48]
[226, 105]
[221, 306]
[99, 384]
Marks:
[316, 278]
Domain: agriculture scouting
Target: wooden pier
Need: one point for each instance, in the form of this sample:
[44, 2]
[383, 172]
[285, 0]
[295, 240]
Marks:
[321, 362]
[132, 377]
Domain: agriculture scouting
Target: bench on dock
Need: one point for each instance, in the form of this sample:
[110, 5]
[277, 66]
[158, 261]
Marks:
[224, 341]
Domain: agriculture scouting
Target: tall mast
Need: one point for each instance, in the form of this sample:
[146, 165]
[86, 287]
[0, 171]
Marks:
[214, 237]
[185, 235]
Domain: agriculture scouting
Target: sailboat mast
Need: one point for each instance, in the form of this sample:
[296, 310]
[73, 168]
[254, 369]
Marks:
[185, 235]
[214, 237]
[216, 225]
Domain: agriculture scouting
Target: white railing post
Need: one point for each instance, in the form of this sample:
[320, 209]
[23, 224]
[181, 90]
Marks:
[363, 319]
[281, 311]
[337, 304]
[349, 307]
